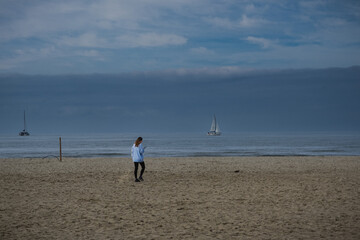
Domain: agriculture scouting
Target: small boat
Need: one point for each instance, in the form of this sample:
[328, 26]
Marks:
[24, 132]
[214, 129]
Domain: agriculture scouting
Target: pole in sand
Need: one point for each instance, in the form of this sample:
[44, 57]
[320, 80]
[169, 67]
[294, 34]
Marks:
[60, 149]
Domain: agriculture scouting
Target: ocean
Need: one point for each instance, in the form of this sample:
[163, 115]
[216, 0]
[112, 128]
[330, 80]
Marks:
[183, 145]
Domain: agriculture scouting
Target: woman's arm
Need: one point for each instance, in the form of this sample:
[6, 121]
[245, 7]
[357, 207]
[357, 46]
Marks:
[141, 149]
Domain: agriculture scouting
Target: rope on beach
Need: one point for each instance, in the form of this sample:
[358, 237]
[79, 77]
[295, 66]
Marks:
[51, 156]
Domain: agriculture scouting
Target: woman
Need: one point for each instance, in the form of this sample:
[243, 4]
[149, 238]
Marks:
[137, 154]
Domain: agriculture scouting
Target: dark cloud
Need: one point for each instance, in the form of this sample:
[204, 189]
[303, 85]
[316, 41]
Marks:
[172, 101]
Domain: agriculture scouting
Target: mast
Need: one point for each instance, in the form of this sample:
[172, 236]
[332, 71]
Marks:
[215, 123]
[24, 132]
[24, 121]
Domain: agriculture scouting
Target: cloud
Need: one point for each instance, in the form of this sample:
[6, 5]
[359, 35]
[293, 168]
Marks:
[264, 43]
[334, 22]
[84, 40]
[90, 53]
[312, 4]
[250, 8]
[220, 22]
[201, 51]
[250, 22]
[28, 55]
[180, 28]
[123, 41]
[299, 56]
[149, 40]
[42, 19]
[243, 22]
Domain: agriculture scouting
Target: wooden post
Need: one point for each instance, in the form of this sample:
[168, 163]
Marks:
[60, 149]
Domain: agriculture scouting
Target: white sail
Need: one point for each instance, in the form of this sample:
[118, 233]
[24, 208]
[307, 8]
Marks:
[213, 125]
[214, 129]
[217, 129]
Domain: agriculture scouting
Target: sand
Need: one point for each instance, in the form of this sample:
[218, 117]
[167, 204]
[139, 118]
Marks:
[181, 198]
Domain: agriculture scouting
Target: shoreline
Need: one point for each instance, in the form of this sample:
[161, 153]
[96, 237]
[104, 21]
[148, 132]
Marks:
[283, 197]
[190, 156]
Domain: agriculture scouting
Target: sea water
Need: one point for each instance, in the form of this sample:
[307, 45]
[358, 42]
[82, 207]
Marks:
[183, 145]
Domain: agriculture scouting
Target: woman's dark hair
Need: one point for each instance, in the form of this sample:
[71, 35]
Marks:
[137, 142]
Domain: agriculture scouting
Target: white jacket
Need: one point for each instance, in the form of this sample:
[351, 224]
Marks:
[137, 153]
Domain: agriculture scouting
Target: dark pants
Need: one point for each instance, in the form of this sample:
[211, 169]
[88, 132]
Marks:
[136, 164]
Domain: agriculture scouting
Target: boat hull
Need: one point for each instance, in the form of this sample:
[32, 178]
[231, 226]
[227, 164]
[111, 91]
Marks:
[24, 133]
[214, 133]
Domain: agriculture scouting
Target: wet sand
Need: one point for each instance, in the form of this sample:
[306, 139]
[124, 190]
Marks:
[181, 198]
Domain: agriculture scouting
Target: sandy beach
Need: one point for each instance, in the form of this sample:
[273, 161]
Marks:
[181, 198]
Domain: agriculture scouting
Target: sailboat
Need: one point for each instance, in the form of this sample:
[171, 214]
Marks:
[24, 132]
[214, 130]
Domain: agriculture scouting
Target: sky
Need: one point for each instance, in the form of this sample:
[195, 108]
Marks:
[303, 100]
[114, 36]
[168, 66]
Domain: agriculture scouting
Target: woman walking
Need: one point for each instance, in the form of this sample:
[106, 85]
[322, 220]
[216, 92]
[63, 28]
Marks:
[137, 154]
